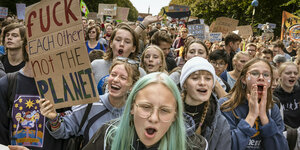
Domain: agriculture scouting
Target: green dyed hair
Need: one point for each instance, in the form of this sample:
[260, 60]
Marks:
[123, 135]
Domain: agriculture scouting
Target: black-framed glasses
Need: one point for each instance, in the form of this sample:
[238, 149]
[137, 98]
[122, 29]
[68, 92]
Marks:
[128, 60]
[256, 74]
[214, 63]
[165, 114]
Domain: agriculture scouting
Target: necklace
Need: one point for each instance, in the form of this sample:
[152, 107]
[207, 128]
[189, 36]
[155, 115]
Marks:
[192, 114]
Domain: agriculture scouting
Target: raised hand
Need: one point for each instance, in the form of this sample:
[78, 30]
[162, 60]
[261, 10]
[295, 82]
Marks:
[253, 105]
[263, 107]
[151, 19]
[47, 109]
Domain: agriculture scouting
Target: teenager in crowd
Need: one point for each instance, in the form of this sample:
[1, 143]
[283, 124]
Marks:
[219, 59]
[92, 42]
[164, 41]
[232, 42]
[255, 121]
[238, 61]
[25, 87]
[197, 81]
[121, 78]
[289, 93]
[251, 49]
[196, 48]
[149, 121]
[124, 43]
[13, 39]
[153, 60]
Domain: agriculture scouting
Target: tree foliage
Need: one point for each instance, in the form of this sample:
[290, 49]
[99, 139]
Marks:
[266, 11]
[91, 4]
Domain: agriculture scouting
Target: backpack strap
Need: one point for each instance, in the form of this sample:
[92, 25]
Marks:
[90, 123]
[11, 91]
[85, 116]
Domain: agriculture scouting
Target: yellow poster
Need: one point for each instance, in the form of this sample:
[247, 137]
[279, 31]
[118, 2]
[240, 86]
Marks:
[290, 28]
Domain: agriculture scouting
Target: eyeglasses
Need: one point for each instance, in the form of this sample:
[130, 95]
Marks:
[128, 60]
[146, 110]
[256, 74]
[217, 64]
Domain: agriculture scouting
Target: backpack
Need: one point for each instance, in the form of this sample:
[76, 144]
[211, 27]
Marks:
[11, 90]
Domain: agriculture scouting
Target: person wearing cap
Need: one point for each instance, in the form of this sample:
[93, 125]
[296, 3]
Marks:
[197, 80]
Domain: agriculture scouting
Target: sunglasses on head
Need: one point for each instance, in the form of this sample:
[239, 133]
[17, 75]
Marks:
[128, 60]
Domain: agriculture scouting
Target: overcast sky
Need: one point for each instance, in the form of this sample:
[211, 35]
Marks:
[155, 5]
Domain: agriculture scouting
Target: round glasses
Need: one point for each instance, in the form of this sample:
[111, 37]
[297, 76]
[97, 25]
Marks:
[256, 74]
[165, 114]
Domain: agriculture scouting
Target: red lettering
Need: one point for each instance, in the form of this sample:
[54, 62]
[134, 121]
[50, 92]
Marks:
[54, 14]
[29, 24]
[48, 20]
[69, 12]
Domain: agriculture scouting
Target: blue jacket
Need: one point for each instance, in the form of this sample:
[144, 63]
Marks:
[70, 124]
[270, 136]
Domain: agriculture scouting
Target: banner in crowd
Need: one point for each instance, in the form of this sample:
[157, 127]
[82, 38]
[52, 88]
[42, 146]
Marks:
[21, 10]
[122, 13]
[58, 55]
[28, 125]
[198, 30]
[245, 31]
[290, 28]
[215, 37]
[107, 9]
[3, 12]
[224, 25]
[178, 8]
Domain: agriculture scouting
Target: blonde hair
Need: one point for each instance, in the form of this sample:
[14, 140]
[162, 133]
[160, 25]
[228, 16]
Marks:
[162, 57]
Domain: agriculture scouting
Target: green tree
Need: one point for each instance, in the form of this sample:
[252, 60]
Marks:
[266, 11]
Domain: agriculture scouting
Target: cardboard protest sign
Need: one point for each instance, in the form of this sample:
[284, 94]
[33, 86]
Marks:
[245, 31]
[57, 53]
[224, 25]
[290, 28]
[28, 124]
[92, 15]
[3, 12]
[20, 10]
[122, 13]
[215, 37]
[107, 9]
[197, 30]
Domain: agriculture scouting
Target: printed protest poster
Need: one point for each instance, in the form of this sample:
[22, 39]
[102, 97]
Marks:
[57, 53]
[28, 125]
[224, 25]
[107, 9]
[245, 31]
[215, 37]
[3, 12]
[197, 30]
[122, 13]
[290, 28]
[21, 10]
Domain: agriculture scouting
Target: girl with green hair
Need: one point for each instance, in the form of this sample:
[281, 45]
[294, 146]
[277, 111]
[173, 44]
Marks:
[152, 119]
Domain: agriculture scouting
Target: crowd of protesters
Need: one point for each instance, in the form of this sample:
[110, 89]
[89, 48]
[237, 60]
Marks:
[163, 88]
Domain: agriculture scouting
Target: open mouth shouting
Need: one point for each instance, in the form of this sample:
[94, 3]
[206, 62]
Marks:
[292, 81]
[260, 89]
[115, 87]
[120, 52]
[202, 91]
[150, 132]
